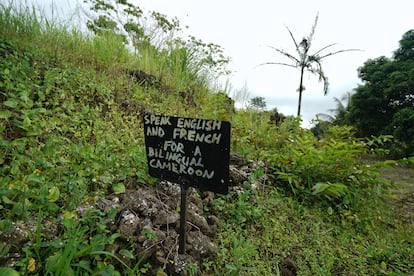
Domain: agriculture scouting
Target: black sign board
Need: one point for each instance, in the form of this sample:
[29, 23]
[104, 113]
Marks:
[188, 150]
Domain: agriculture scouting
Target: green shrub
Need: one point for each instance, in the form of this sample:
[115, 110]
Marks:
[310, 168]
[325, 168]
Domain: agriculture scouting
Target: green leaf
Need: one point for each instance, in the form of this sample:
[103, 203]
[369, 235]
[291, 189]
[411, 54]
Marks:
[334, 190]
[52, 207]
[69, 222]
[6, 226]
[6, 271]
[319, 188]
[119, 188]
[5, 114]
[126, 253]
[85, 265]
[13, 103]
[20, 208]
[6, 200]
[52, 262]
[330, 210]
[54, 194]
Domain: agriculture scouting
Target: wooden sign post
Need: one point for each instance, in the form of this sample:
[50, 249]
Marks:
[183, 213]
[191, 152]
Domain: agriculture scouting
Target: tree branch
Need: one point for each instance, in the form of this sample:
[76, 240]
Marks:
[279, 63]
[320, 50]
[286, 54]
[293, 38]
[337, 52]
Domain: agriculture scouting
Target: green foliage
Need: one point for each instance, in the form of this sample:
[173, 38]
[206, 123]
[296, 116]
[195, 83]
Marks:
[384, 104]
[241, 211]
[311, 168]
[368, 240]
[409, 162]
[403, 131]
[339, 114]
[323, 207]
[83, 237]
[46, 131]
[71, 132]
[324, 167]
[377, 146]
[6, 271]
[252, 132]
[195, 61]
[258, 103]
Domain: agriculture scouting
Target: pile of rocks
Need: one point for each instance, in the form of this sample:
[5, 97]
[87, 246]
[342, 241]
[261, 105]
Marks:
[149, 217]
[148, 222]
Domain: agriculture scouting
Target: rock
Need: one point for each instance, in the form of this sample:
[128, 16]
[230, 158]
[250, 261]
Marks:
[143, 78]
[198, 220]
[164, 217]
[171, 242]
[208, 198]
[20, 234]
[141, 201]
[201, 246]
[144, 251]
[104, 204]
[147, 221]
[237, 176]
[141, 238]
[213, 221]
[161, 235]
[180, 261]
[128, 224]
[169, 188]
[237, 160]
[161, 260]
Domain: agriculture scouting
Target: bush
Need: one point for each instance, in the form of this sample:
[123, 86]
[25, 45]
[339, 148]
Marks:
[326, 168]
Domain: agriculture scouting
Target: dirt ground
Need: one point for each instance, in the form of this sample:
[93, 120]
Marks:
[402, 187]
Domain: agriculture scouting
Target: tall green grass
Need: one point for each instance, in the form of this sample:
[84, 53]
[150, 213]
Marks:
[71, 132]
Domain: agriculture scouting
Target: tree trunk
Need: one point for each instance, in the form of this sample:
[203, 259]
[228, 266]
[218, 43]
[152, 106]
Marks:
[302, 70]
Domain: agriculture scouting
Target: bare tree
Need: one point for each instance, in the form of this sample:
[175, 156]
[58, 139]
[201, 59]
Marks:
[304, 60]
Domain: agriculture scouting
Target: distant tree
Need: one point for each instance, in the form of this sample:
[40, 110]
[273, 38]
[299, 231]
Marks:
[384, 104]
[156, 33]
[258, 102]
[370, 110]
[403, 125]
[320, 128]
[130, 21]
[304, 60]
[339, 114]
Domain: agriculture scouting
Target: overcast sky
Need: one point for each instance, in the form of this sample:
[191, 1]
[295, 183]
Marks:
[246, 29]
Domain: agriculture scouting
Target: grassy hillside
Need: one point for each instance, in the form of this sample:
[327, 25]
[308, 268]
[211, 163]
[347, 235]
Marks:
[71, 134]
